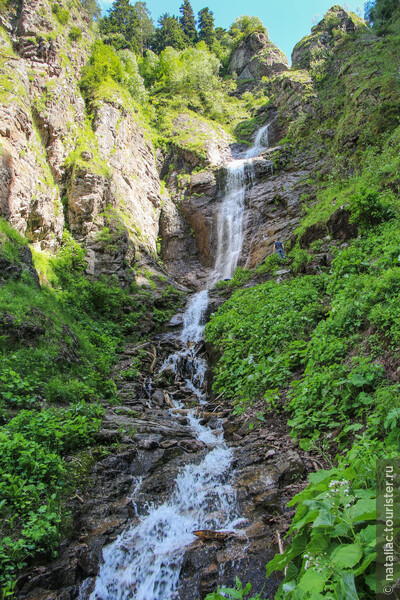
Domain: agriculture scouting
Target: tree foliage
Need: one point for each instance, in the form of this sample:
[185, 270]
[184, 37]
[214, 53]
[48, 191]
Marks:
[106, 66]
[188, 22]
[206, 26]
[92, 8]
[122, 20]
[169, 33]
[245, 25]
[146, 26]
[380, 13]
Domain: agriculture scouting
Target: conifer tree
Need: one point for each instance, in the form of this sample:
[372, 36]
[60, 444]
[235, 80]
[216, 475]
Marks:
[169, 33]
[123, 20]
[206, 26]
[188, 22]
[92, 8]
[146, 27]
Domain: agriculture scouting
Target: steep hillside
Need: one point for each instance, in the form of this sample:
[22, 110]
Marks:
[319, 340]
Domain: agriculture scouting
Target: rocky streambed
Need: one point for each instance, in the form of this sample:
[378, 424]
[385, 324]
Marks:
[169, 437]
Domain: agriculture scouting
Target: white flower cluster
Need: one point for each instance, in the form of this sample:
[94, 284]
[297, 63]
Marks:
[313, 562]
[335, 487]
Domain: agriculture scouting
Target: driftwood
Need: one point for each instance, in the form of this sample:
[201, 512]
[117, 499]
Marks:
[76, 497]
[168, 400]
[153, 362]
[209, 535]
[280, 545]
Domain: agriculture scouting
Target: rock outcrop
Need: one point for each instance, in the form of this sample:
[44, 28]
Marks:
[257, 57]
[316, 47]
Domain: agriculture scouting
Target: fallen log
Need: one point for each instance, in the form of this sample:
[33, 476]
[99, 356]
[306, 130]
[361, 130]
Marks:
[209, 535]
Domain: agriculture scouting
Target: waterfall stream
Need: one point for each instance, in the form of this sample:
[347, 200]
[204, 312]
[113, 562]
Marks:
[145, 561]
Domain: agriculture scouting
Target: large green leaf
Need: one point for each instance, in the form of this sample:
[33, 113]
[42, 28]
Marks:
[318, 544]
[348, 587]
[324, 519]
[364, 510]
[367, 536]
[313, 580]
[347, 556]
[365, 563]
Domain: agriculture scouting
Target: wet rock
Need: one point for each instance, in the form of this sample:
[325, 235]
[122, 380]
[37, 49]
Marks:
[158, 397]
[311, 234]
[107, 436]
[291, 469]
[269, 454]
[89, 558]
[176, 320]
[269, 501]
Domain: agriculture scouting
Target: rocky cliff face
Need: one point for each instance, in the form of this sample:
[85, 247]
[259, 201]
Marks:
[100, 178]
[57, 169]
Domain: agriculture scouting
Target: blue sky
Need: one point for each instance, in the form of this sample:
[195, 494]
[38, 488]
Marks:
[287, 20]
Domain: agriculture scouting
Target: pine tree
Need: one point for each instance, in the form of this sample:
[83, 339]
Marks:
[146, 27]
[123, 20]
[170, 33]
[206, 26]
[381, 13]
[188, 22]
[92, 8]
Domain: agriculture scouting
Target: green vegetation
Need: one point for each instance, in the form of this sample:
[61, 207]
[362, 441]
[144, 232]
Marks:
[75, 34]
[62, 14]
[109, 73]
[332, 553]
[128, 26]
[237, 593]
[3, 6]
[188, 22]
[58, 344]
[382, 14]
[322, 347]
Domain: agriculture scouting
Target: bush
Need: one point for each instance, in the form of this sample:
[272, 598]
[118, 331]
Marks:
[332, 552]
[370, 207]
[75, 34]
[107, 67]
[61, 14]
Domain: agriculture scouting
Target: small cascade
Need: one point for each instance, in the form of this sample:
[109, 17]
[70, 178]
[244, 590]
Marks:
[261, 142]
[144, 562]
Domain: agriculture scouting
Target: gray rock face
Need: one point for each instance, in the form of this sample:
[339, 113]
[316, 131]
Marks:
[116, 212]
[40, 103]
[257, 57]
[322, 39]
[106, 170]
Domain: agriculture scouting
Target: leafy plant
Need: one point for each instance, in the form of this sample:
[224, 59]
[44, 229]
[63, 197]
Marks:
[237, 593]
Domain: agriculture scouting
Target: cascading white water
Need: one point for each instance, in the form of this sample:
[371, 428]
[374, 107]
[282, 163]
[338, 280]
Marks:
[261, 142]
[230, 216]
[144, 563]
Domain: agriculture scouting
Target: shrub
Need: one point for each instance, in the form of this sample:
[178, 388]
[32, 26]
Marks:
[332, 552]
[61, 14]
[75, 34]
[370, 207]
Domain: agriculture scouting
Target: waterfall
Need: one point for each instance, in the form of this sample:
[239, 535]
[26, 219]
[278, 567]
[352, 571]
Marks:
[145, 561]
[230, 216]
